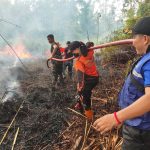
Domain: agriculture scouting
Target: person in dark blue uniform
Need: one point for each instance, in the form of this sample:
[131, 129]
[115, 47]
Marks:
[134, 98]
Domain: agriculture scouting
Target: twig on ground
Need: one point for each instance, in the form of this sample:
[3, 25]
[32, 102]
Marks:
[11, 123]
[15, 138]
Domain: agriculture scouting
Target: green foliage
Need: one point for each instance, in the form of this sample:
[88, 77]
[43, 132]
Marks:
[144, 9]
[133, 10]
[68, 20]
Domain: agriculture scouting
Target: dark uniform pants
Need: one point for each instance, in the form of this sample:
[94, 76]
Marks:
[69, 65]
[135, 139]
[89, 84]
[57, 69]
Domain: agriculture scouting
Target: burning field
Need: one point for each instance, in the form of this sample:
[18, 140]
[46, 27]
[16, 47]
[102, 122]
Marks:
[34, 117]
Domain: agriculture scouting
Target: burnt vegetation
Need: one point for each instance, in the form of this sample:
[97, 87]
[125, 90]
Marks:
[32, 115]
[46, 119]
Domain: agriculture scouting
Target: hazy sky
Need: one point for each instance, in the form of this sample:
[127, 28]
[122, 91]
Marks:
[48, 25]
[108, 4]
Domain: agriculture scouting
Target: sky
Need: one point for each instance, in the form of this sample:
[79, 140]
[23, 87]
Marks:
[99, 7]
[108, 4]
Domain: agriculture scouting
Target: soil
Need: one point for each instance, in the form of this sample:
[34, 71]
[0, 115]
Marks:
[44, 120]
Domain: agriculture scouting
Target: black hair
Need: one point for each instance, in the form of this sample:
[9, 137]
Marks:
[76, 44]
[92, 44]
[68, 42]
[89, 44]
[50, 36]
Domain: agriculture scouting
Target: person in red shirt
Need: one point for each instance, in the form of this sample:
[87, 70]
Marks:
[62, 50]
[87, 74]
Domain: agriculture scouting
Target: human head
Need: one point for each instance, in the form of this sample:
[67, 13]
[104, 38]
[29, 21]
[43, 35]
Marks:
[89, 44]
[50, 38]
[78, 48]
[68, 43]
[141, 34]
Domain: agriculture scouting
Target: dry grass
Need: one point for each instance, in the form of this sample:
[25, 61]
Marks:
[47, 120]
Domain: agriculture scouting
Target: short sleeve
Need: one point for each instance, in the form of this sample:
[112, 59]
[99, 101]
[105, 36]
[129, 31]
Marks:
[79, 66]
[146, 74]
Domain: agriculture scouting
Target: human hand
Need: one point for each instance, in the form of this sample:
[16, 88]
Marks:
[105, 123]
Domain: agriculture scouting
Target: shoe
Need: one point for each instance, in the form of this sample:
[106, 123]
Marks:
[89, 114]
[78, 107]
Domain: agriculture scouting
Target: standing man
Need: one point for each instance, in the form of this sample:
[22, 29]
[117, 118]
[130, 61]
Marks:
[68, 64]
[134, 98]
[57, 66]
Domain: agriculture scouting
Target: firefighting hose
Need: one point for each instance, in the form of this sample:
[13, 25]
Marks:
[115, 43]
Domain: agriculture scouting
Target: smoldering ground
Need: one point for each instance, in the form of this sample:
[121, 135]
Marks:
[42, 116]
[43, 120]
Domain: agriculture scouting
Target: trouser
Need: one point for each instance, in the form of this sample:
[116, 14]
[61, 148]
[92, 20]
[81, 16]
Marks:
[89, 84]
[57, 69]
[68, 65]
[135, 139]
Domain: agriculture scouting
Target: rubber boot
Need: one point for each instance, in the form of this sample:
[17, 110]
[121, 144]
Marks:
[89, 114]
[79, 107]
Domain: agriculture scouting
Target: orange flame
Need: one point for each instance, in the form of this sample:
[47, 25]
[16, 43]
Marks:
[20, 49]
[5, 52]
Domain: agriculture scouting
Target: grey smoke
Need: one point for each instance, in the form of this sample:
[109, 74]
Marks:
[66, 19]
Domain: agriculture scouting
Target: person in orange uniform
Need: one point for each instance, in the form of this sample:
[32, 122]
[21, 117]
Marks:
[87, 75]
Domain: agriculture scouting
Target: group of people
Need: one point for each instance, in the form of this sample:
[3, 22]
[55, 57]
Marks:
[134, 98]
[85, 68]
[59, 67]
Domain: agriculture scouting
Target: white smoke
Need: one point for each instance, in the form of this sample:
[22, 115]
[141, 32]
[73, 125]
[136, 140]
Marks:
[9, 84]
